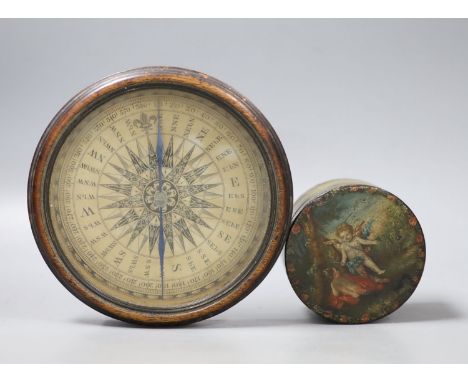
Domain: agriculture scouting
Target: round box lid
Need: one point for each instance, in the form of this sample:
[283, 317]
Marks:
[355, 253]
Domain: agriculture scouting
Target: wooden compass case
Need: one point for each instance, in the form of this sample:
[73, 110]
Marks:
[146, 78]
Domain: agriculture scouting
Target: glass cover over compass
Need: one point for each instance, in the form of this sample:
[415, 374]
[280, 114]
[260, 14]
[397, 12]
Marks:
[159, 200]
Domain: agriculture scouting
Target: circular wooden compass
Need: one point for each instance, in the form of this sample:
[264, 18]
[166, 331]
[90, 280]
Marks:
[160, 196]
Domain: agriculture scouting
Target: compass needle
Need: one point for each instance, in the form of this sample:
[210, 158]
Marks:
[161, 245]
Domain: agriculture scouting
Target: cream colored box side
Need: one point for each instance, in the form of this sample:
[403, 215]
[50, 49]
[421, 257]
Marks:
[321, 189]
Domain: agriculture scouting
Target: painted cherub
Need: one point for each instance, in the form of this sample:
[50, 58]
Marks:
[352, 250]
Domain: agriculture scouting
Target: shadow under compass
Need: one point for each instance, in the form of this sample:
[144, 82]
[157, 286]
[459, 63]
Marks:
[206, 324]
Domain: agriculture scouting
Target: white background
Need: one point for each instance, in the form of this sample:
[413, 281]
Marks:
[382, 101]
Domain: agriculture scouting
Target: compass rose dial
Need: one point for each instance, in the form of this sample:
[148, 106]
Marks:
[161, 197]
[189, 194]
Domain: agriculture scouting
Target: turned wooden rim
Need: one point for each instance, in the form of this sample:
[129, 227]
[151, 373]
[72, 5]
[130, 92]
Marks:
[252, 118]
